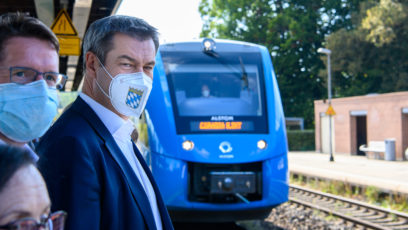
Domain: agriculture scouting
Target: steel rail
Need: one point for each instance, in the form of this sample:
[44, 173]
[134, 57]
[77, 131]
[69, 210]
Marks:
[369, 216]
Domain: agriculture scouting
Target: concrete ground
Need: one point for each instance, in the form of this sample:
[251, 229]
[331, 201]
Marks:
[385, 175]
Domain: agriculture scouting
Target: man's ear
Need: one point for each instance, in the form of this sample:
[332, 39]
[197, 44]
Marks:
[91, 65]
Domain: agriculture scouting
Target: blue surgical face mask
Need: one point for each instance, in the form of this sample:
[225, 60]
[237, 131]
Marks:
[26, 111]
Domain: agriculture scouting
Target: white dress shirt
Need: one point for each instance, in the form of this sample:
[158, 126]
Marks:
[121, 131]
[25, 146]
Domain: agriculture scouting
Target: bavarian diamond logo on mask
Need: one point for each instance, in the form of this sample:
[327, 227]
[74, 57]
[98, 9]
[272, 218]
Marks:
[133, 97]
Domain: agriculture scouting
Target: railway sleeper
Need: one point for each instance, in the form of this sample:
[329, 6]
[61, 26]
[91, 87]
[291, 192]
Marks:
[384, 221]
[402, 227]
[400, 222]
[378, 216]
[364, 213]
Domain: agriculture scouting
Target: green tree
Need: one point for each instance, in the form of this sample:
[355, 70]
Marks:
[372, 57]
[292, 30]
[380, 21]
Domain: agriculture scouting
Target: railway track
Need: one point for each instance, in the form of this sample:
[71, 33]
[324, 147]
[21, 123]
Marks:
[354, 212]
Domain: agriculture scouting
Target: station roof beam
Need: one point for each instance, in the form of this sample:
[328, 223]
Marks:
[82, 13]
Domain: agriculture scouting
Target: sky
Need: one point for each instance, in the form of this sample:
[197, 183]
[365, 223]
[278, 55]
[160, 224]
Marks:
[176, 20]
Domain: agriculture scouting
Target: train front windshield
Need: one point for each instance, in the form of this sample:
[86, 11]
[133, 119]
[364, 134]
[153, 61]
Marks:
[216, 93]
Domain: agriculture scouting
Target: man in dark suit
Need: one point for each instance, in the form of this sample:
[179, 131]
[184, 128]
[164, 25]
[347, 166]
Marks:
[92, 168]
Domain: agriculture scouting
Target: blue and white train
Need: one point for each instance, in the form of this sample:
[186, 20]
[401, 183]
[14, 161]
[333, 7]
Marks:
[216, 131]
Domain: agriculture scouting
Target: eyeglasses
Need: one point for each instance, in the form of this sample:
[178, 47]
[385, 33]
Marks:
[24, 75]
[54, 221]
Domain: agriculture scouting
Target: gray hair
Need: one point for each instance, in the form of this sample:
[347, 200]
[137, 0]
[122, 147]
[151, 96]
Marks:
[98, 37]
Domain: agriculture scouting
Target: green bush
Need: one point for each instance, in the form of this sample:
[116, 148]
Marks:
[301, 140]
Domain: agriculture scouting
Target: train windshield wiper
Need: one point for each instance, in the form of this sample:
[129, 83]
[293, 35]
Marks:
[243, 72]
[244, 76]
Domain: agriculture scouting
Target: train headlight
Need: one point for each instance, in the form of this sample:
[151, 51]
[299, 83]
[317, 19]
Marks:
[261, 144]
[188, 145]
[209, 45]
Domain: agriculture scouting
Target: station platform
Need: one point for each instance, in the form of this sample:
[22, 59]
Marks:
[388, 176]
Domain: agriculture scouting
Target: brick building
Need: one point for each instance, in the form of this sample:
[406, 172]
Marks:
[361, 119]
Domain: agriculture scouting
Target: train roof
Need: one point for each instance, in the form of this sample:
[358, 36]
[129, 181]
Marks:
[220, 44]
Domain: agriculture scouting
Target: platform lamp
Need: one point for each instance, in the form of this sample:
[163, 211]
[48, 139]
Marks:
[328, 53]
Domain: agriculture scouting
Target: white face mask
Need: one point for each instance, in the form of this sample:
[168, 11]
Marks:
[206, 93]
[128, 92]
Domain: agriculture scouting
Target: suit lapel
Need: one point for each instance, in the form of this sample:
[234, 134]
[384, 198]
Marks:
[166, 221]
[133, 182]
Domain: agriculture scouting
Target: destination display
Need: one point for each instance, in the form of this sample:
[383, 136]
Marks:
[221, 125]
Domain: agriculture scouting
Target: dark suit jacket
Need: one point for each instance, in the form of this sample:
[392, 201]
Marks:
[89, 177]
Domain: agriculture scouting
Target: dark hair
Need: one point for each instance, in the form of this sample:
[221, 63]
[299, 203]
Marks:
[12, 159]
[98, 37]
[21, 25]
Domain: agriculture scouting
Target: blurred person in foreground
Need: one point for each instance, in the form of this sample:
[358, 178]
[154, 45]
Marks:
[29, 79]
[24, 200]
[92, 167]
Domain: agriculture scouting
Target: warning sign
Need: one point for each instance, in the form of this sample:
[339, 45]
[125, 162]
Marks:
[63, 25]
[69, 45]
[67, 35]
[330, 111]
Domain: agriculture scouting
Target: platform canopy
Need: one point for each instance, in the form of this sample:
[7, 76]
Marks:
[81, 12]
